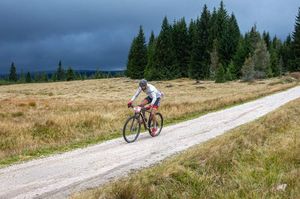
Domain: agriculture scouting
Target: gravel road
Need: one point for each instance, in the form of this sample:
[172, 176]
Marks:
[60, 175]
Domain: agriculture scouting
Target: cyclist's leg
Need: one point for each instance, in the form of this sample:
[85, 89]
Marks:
[153, 112]
[146, 101]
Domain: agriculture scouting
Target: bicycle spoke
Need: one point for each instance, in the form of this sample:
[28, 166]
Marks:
[131, 124]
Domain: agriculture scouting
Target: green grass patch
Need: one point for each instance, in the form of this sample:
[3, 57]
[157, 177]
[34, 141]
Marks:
[17, 114]
[32, 104]
[47, 132]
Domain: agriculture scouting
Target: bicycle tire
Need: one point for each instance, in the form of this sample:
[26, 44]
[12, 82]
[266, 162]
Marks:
[160, 126]
[128, 134]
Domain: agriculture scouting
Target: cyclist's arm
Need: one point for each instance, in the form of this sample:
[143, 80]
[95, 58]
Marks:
[136, 94]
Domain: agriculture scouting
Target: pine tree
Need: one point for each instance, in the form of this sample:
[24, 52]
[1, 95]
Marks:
[141, 56]
[13, 73]
[266, 37]
[181, 45]
[246, 48]
[78, 76]
[164, 54]
[275, 54]
[222, 25]
[98, 74]
[109, 75]
[28, 77]
[231, 72]
[240, 57]
[204, 27]
[269, 72]
[228, 75]
[200, 56]
[191, 29]
[214, 60]
[221, 21]
[274, 61]
[44, 77]
[251, 40]
[220, 76]
[235, 35]
[191, 34]
[150, 68]
[37, 77]
[295, 66]
[229, 40]
[286, 54]
[84, 76]
[60, 72]
[54, 77]
[281, 67]
[258, 56]
[137, 58]
[130, 69]
[70, 74]
[276, 43]
[213, 31]
[22, 77]
[261, 59]
[248, 70]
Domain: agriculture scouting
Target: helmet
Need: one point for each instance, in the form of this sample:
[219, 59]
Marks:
[143, 83]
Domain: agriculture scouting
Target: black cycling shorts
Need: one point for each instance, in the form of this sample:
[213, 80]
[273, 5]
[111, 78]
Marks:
[156, 103]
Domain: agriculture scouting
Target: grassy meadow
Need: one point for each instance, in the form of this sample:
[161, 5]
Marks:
[42, 118]
[258, 160]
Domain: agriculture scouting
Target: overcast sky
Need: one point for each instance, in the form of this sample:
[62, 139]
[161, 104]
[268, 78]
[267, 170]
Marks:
[92, 34]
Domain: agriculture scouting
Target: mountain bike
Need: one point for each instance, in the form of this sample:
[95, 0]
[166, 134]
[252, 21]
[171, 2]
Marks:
[132, 127]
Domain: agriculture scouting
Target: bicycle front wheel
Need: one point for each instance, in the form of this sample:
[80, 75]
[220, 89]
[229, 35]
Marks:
[131, 129]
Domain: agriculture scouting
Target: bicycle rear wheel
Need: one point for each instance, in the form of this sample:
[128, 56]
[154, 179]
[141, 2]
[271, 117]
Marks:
[159, 124]
[131, 129]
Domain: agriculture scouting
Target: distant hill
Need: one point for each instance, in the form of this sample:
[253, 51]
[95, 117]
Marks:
[88, 73]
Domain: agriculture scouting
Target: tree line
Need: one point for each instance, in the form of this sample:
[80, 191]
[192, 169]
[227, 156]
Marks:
[212, 47]
[60, 74]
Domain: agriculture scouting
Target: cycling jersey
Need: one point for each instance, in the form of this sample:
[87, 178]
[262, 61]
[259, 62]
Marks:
[151, 91]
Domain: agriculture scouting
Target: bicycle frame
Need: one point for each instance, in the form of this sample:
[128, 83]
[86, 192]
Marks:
[139, 112]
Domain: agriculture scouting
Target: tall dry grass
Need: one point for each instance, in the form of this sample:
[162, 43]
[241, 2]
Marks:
[39, 118]
[258, 160]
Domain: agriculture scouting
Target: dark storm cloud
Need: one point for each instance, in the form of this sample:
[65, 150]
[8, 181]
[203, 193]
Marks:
[93, 34]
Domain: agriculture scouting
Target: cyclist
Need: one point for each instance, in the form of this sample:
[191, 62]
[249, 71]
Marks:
[153, 98]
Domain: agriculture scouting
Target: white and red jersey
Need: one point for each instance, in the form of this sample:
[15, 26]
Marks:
[151, 91]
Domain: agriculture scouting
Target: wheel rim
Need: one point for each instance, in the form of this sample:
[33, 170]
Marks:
[131, 130]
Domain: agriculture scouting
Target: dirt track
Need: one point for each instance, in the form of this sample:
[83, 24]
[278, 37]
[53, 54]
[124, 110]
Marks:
[59, 175]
